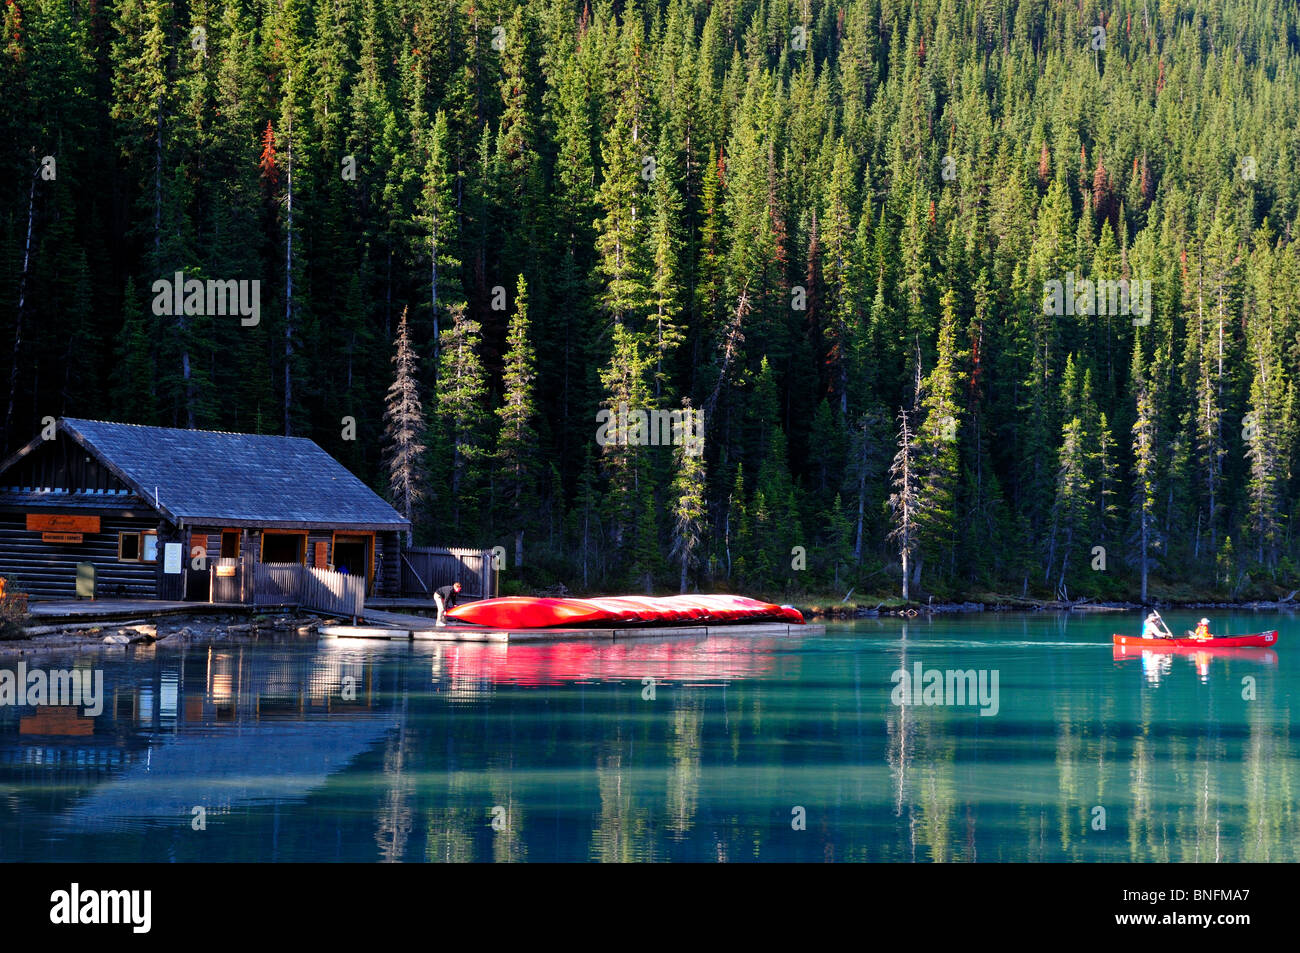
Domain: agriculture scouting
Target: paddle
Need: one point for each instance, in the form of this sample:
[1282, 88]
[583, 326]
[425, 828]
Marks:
[1159, 618]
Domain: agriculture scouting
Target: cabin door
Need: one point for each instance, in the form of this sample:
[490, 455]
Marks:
[197, 581]
[228, 568]
[352, 554]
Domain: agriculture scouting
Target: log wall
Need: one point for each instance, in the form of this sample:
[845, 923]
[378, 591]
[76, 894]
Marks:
[49, 570]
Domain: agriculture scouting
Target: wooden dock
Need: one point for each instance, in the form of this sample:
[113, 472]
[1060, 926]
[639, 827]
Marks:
[78, 610]
[390, 604]
[385, 625]
[396, 626]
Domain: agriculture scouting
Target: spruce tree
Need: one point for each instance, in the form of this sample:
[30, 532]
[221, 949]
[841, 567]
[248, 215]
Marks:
[689, 505]
[1145, 536]
[1070, 512]
[133, 388]
[460, 395]
[516, 446]
[437, 216]
[937, 448]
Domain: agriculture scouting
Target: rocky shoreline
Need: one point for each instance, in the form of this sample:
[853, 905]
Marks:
[166, 631]
[940, 608]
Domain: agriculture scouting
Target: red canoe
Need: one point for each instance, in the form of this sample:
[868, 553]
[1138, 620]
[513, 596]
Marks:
[1257, 639]
[524, 612]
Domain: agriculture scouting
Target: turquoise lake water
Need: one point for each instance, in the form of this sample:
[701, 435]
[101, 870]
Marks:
[722, 748]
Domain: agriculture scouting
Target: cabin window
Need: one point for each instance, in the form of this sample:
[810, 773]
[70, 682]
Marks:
[284, 547]
[137, 547]
[229, 543]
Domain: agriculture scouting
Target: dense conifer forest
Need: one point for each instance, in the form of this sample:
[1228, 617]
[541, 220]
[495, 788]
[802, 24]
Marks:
[1006, 292]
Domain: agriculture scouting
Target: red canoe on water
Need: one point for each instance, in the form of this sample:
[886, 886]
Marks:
[525, 612]
[1247, 653]
[1256, 639]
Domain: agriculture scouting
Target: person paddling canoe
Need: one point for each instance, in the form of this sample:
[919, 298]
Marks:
[1155, 628]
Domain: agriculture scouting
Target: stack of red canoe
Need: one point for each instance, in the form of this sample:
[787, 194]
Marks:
[523, 612]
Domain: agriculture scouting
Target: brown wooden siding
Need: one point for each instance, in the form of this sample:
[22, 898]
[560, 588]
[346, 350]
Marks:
[62, 464]
[49, 570]
[320, 536]
[207, 537]
[171, 586]
[388, 560]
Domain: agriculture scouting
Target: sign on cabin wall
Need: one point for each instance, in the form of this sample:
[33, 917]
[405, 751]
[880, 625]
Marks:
[61, 523]
[62, 538]
[171, 559]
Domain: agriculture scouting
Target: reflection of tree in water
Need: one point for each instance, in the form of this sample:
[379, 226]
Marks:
[1203, 842]
[920, 753]
[899, 729]
[449, 831]
[1195, 829]
[395, 815]
[1068, 747]
[936, 798]
[623, 832]
[1145, 840]
[684, 774]
[1106, 745]
[1082, 776]
[508, 844]
[1267, 769]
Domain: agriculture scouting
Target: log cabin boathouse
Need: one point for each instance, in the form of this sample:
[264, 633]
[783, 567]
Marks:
[141, 504]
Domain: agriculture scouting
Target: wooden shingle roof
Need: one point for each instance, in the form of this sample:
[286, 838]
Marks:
[204, 477]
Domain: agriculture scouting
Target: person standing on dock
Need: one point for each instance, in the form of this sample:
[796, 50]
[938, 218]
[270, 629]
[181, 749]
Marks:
[445, 598]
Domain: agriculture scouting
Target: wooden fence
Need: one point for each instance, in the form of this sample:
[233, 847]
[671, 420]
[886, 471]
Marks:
[225, 580]
[276, 583]
[328, 591]
[426, 568]
[321, 589]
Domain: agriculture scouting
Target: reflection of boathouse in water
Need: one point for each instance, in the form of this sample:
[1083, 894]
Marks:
[163, 744]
